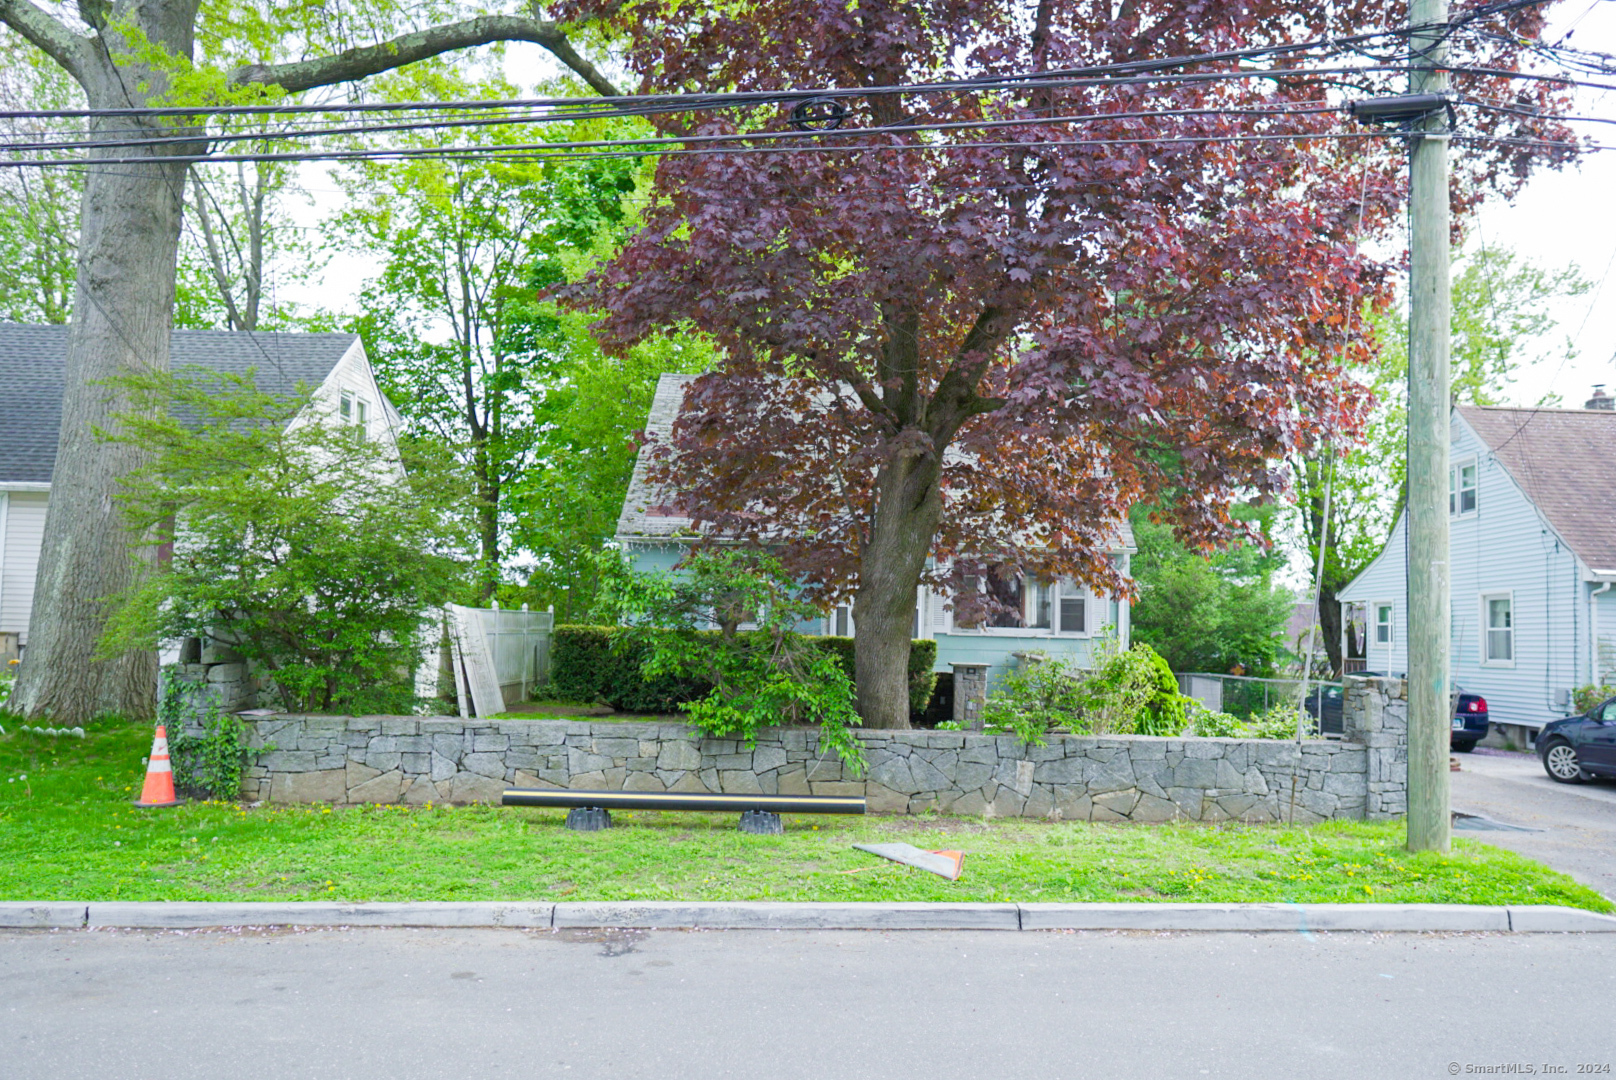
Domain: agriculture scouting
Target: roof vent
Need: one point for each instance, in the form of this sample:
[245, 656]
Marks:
[1600, 399]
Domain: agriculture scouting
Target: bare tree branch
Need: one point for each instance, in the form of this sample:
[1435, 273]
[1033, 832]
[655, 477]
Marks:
[62, 44]
[421, 45]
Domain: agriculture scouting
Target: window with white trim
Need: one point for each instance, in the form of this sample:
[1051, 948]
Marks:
[1498, 628]
[1035, 608]
[355, 411]
[1383, 624]
[1462, 488]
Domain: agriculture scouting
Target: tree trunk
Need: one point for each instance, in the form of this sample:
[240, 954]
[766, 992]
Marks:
[123, 305]
[1330, 626]
[908, 511]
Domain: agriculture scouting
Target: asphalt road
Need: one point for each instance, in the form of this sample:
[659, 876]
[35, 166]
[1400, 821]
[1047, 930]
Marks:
[779, 1005]
[1578, 821]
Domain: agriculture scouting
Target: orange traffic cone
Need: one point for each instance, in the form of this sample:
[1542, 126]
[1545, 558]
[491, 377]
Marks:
[159, 786]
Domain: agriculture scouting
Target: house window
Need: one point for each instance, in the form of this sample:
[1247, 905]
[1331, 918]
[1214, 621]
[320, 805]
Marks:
[1498, 616]
[1383, 624]
[1011, 593]
[1044, 607]
[355, 410]
[1042, 594]
[841, 621]
[1462, 488]
[1074, 615]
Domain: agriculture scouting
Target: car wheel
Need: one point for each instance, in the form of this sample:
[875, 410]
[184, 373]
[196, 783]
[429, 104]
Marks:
[1464, 746]
[1560, 762]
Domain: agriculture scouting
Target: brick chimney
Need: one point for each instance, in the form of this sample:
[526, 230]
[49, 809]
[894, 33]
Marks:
[1600, 399]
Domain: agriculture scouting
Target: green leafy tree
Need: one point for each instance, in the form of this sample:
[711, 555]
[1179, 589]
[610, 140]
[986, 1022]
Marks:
[568, 501]
[140, 54]
[240, 247]
[308, 550]
[1218, 611]
[1502, 324]
[462, 344]
[761, 677]
[38, 227]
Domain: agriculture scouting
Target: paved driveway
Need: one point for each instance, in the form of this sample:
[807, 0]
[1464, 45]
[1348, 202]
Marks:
[1578, 820]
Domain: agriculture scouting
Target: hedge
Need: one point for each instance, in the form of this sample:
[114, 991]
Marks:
[584, 667]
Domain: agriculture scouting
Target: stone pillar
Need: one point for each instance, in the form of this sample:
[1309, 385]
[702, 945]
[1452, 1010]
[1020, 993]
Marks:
[1374, 714]
[970, 694]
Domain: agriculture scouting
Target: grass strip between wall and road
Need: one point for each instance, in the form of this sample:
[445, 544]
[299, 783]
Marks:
[68, 831]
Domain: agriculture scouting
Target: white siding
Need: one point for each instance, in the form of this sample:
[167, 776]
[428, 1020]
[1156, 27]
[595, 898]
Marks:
[1606, 616]
[24, 534]
[1504, 546]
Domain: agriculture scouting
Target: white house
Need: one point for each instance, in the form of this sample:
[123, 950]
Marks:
[1059, 617]
[333, 366]
[1532, 560]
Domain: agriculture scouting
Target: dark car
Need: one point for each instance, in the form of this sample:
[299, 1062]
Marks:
[1469, 717]
[1469, 722]
[1582, 747]
[1324, 705]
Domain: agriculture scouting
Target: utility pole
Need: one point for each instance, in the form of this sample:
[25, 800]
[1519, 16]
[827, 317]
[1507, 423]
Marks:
[1429, 716]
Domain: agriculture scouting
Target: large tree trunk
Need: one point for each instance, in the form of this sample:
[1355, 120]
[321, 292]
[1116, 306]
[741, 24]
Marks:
[908, 511]
[122, 317]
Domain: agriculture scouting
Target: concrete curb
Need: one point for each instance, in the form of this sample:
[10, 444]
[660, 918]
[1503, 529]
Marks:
[680, 915]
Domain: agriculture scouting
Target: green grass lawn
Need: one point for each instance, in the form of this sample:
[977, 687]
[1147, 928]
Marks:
[68, 832]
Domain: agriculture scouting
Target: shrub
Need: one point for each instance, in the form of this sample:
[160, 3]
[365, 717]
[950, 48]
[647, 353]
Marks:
[1038, 694]
[1126, 693]
[585, 667]
[1164, 713]
[755, 679]
[305, 549]
[1585, 698]
[206, 765]
[1280, 722]
[1213, 725]
[922, 658]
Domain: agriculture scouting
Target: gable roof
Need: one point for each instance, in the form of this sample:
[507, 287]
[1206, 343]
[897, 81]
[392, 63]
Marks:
[645, 514]
[1565, 462]
[31, 379]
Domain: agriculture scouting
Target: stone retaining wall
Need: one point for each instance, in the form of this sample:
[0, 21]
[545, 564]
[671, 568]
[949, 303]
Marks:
[1138, 778]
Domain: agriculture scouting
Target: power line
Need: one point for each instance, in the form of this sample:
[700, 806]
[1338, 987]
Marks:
[1292, 109]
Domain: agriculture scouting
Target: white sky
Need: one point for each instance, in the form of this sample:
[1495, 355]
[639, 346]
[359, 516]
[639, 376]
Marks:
[1569, 217]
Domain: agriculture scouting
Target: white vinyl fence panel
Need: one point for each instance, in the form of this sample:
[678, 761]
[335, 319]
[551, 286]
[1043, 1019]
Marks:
[500, 655]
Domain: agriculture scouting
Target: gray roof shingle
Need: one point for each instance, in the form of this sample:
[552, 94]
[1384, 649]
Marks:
[1564, 460]
[31, 364]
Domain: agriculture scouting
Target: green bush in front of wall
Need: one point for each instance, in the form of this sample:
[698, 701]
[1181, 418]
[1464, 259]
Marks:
[588, 667]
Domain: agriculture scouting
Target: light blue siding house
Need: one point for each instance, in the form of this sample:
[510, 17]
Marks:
[1055, 618]
[1532, 505]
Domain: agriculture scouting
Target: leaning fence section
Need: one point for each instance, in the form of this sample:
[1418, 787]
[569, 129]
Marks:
[501, 648]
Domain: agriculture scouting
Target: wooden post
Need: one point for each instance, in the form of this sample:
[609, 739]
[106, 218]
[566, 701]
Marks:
[1429, 611]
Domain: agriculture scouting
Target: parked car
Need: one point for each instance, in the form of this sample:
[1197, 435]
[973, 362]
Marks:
[1469, 716]
[1580, 748]
[1469, 721]
[1324, 705]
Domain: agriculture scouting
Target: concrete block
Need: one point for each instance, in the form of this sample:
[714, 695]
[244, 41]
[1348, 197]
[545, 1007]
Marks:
[784, 916]
[42, 915]
[681, 755]
[184, 914]
[1546, 919]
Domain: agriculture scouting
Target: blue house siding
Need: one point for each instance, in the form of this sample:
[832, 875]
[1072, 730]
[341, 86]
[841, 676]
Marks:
[1504, 547]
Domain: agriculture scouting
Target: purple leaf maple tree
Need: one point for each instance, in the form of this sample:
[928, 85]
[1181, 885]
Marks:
[956, 354]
